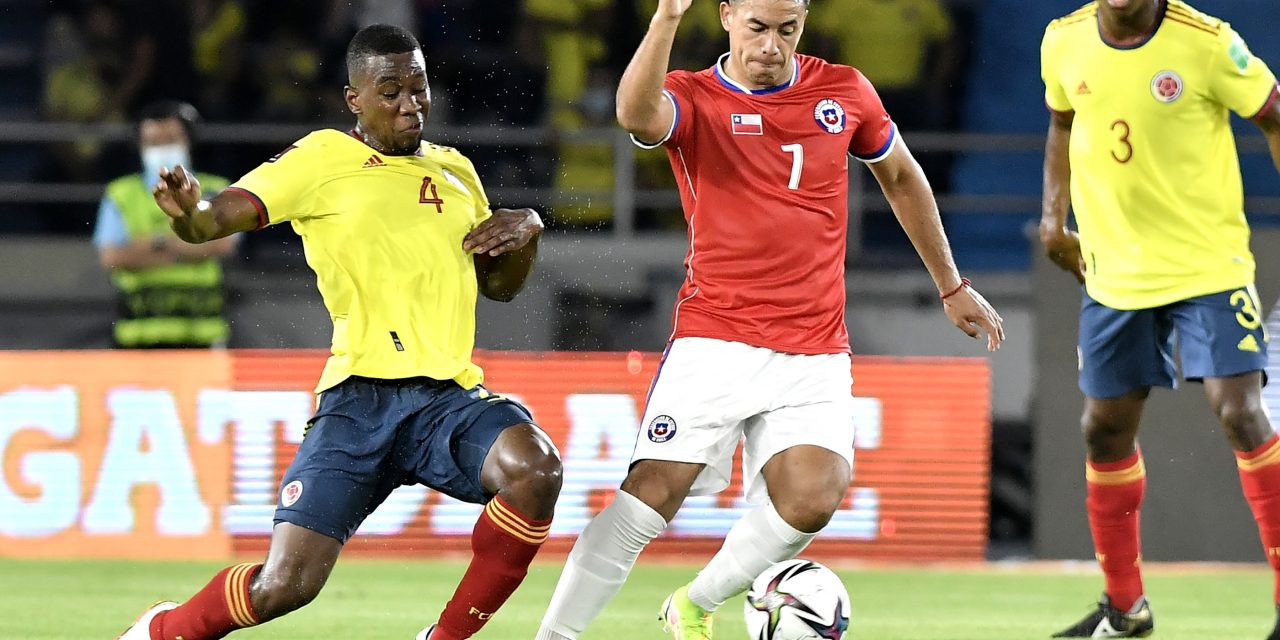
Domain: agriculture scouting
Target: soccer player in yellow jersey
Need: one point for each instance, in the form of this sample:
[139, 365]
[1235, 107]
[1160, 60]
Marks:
[401, 238]
[1139, 93]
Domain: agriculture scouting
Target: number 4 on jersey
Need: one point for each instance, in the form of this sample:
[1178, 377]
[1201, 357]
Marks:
[435, 197]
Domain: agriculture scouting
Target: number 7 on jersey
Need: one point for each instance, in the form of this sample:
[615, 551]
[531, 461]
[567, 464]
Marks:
[797, 163]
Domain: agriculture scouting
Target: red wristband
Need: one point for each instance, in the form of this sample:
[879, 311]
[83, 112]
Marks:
[964, 282]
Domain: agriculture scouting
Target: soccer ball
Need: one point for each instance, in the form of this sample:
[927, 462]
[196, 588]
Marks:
[797, 600]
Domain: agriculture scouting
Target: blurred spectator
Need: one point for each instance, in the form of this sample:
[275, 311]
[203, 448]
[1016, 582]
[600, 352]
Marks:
[902, 46]
[219, 34]
[572, 37]
[700, 39]
[170, 292]
[586, 167]
[287, 74]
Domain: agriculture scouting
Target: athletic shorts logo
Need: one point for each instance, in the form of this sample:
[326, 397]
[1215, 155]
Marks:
[829, 115]
[662, 429]
[1166, 86]
[291, 493]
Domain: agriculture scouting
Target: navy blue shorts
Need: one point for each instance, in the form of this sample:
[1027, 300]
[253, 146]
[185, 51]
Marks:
[1218, 335]
[370, 436]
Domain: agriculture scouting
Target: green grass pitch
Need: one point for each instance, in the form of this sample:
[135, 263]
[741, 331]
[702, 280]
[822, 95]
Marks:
[80, 600]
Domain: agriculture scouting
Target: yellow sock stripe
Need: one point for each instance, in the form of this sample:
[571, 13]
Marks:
[237, 580]
[506, 511]
[1123, 476]
[229, 592]
[515, 532]
[1268, 458]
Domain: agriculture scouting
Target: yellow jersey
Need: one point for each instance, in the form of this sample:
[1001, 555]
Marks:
[384, 236]
[1155, 179]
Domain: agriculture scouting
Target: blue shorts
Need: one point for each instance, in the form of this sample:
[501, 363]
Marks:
[1218, 335]
[370, 436]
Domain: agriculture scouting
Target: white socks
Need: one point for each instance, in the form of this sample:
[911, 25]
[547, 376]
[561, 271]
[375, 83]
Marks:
[755, 543]
[598, 565]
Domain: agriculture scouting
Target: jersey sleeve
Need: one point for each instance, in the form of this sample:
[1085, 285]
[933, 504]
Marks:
[678, 88]
[1239, 80]
[1055, 96]
[110, 230]
[875, 135]
[471, 179]
[283, 188]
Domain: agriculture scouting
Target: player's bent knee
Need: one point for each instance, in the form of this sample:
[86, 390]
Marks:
[275, 593]
[808, 516]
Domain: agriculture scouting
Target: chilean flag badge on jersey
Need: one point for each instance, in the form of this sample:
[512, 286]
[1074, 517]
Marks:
[747, 124]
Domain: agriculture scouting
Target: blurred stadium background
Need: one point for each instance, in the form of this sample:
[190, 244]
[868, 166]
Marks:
[113, 454]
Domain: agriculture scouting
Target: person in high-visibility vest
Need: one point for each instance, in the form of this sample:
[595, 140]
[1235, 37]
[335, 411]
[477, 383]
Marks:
[170, 293]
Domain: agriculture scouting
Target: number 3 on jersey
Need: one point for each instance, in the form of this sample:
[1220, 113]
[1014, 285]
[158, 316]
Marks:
[797, 164]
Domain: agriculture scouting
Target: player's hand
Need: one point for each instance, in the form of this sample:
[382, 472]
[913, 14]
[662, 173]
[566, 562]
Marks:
[506, 230]
[177, 193]
[673, 9]
[1063, 248]
[973, 314]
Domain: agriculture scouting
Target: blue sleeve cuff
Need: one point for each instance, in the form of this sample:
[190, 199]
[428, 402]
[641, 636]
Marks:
[110, 230]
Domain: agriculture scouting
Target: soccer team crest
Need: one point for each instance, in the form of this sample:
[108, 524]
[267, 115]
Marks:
[829, 115]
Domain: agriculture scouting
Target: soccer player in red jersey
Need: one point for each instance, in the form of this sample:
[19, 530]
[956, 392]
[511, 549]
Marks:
[402, 238]
[759, 145]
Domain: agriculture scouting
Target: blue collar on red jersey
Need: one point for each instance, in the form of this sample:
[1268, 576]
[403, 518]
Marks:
[738, 86]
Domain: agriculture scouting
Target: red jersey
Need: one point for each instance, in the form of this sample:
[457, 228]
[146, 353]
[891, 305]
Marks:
[764, 182]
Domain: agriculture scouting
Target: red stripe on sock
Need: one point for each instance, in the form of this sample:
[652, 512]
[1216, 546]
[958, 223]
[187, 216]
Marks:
[1114, 516]
[1261, 450]
[499, 563]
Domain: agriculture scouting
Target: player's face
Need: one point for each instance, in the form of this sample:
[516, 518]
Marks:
[390, 98]
[1126, 8]
[762, 37]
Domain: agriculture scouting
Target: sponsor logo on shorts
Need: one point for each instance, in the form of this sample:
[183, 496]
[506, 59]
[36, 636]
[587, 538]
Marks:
[662, 429]
[291, 493]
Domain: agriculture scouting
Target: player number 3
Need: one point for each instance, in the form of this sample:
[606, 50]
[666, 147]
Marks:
[797, 163]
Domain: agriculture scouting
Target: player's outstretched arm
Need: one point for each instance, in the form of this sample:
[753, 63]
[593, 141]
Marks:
[1269, 122]
[642, 110]
[909, 194]
[1061, 244]
[197, 220]
[505, 246]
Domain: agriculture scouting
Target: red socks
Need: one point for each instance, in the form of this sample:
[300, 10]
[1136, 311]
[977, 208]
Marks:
[1115, 497]
[221, 607]
[1260, 478]
[503, 544]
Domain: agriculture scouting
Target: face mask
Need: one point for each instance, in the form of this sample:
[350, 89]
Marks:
[164, 155]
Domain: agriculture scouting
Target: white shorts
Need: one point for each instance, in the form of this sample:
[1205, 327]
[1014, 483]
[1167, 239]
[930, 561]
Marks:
[710, 394]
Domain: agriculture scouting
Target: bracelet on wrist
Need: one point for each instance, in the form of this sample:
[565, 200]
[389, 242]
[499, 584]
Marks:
[964, 282]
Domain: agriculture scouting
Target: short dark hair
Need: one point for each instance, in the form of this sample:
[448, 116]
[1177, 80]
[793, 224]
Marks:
[378, 40]
[183, 112]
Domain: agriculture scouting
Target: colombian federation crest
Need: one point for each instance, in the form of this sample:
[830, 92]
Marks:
[1166, 86]
[829, 115]
[291, 493]
[662, 429]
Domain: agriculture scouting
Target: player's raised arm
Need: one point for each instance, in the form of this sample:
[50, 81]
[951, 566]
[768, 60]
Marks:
[1061, 244]
[642, 110]
[197, 220]
[907, 189]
